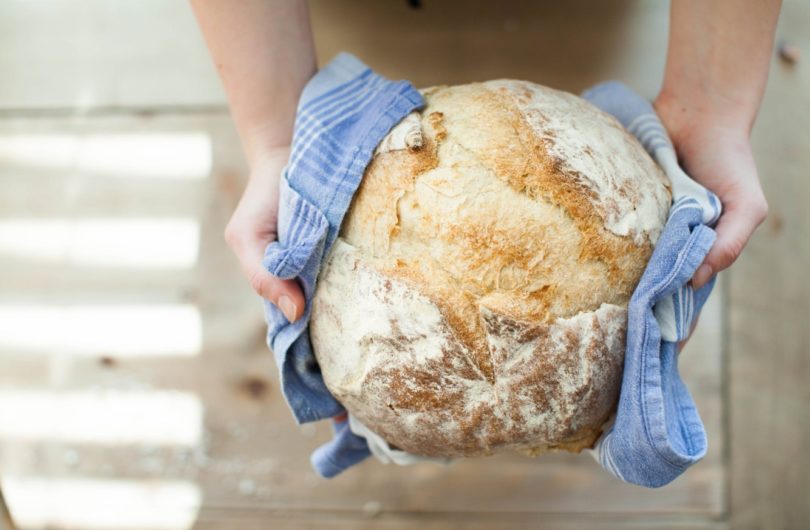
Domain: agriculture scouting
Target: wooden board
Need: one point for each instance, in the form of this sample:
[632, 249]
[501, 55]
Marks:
[222, 448]
[769, 309]
[247, 453]
[148, 53]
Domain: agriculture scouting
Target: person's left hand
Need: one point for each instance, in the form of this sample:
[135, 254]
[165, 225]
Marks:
[716, 152]
[717, 155]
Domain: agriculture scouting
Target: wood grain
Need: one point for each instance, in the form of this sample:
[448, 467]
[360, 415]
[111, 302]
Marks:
[769, 310]
[251, 455]
[748, 364]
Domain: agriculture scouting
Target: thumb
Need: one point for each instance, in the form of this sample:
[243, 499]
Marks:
[284, 294]
[735, 227]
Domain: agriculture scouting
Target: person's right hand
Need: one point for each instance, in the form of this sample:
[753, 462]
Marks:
[254, 225]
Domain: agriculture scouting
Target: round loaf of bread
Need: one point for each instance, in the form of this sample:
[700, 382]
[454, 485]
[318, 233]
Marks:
[475, 300]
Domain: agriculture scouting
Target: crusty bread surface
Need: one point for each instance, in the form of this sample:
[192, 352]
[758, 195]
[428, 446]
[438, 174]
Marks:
[475, 299]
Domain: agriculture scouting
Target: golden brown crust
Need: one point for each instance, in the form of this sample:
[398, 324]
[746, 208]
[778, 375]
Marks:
[516, 261]
[540, 176]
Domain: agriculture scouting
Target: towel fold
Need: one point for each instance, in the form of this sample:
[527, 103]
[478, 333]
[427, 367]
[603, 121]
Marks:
[657, 432]
[344, 112]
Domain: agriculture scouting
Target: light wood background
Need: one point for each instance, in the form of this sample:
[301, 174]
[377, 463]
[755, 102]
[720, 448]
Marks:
[219, 448]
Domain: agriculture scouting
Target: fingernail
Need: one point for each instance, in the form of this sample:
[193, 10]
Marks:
[287, 307]
[702, 276]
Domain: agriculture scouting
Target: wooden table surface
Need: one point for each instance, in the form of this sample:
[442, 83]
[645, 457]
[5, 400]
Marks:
[137, 391]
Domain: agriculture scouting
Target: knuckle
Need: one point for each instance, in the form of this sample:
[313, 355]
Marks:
[258, 282]
[729, 252]
[761, 210]
[231, 235]
[264, 284]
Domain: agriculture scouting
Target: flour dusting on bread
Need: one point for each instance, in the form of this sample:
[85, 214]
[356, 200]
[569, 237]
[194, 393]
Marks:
[475, 299]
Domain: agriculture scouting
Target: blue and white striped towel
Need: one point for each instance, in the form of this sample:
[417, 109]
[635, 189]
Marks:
[344, 112]
[657, 432]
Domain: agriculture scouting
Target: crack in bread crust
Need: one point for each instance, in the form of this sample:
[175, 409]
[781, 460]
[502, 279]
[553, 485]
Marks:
[394, 363]
[475, 299]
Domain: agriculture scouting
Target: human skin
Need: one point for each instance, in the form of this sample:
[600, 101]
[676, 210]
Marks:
[716, 72]
[264, 54]
[717, 67]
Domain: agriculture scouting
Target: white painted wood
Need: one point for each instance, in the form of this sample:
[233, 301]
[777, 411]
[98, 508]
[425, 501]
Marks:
[77, 54]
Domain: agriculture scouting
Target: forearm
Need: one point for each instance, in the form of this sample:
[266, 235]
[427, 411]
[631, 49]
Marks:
[264, 54]
[717, 68]
[718, 58]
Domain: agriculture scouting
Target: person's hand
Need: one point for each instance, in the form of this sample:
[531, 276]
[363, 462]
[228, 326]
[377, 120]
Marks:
[254, 225]
[718, 156]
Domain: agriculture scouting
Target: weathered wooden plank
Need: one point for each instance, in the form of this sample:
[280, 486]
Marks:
[145, 54]
[449, 43]
[371, 519]
[251, 454]
[769, 310]
[250, 461]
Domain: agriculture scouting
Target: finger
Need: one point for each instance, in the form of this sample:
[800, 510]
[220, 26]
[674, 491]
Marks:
[284, 294]
[734, 229]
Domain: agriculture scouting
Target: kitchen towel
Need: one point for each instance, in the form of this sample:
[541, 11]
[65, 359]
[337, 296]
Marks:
[344, 112]
[657, 432]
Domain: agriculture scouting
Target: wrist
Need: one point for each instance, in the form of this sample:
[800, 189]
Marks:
[690, 118]
[263, 142]
[268, 163]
